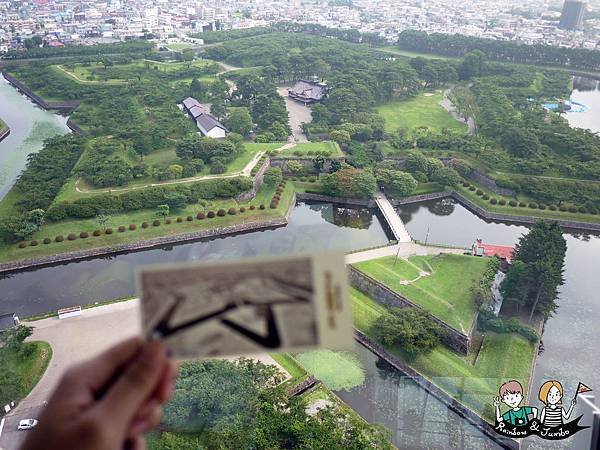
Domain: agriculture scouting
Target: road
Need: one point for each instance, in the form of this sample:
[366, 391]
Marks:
[298, 113]
[74, 340]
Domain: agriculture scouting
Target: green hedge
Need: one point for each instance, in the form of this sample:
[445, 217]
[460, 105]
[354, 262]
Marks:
[147, 198]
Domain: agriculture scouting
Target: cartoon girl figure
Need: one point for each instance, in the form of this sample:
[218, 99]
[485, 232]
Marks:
[553, 414]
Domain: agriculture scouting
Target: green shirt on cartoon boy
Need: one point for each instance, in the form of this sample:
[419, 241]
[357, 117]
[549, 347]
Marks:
[511, 394]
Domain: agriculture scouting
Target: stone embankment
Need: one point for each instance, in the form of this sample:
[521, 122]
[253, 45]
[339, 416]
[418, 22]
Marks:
[453, 404]
[65, 107]
[452, 338]
[148, 244]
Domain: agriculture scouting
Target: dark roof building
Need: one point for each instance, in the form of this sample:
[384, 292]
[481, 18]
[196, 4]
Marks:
[197, 111]
[308, 91]
[190, 102]
[209, 126]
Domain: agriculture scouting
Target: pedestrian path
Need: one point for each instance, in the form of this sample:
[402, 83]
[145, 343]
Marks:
[392, 218]
[403, 250]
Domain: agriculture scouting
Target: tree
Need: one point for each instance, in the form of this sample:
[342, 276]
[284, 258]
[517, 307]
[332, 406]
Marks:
[175, 200]
[102, 220]
[446, 176]
[340, 136]
[398, 183]
[272, 176]
[18, 227]
[353, 183]
[416, 162]
[473, 65]
[521, 143]
[294, 167]
[318, 163]
[239, 121]
[163, 211]
[537, 269]
[410, 328]
[13, 338]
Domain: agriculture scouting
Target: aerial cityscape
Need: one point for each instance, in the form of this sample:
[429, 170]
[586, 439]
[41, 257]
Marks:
[416, 183]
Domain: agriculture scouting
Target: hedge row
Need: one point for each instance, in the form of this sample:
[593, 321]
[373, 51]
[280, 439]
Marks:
[258, 165]
[151, 197]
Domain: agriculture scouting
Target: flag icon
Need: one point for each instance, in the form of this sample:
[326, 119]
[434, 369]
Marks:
[581, 388]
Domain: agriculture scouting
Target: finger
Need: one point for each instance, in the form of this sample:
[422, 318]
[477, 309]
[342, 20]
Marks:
[165, 388]
[99, 371]
[137, 443]
[140, 426]
[138, 382]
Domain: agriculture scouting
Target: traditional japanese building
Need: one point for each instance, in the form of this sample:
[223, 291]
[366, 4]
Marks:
[308, 91]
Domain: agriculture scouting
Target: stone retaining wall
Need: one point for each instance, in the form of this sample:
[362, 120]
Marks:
[4, 132]
[304, 196]
[488, 182]
[147, 244]
[453, 404]
[66, 106]
[256, 183]
[452, 338]
[74, 127]
[421, 198]
[301, 388]
[307, 163]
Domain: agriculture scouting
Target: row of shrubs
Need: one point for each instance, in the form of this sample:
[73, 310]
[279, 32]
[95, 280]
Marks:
[258, 165]
[488, 321]
[277, 196]
[531, 205]
[312, 179]
[156, 223]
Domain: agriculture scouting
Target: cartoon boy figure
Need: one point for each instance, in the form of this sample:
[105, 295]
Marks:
[511, 393]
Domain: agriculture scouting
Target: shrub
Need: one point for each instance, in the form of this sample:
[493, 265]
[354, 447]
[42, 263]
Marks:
[97, 233]
[552, 207]
[252, 207]
[466, 184]
[221, 213]
[22, 244]
[485, 197]
[312, 179]
[502, 202]
[108, 231]
[242, 209]
[562, 208]
[573, 209]
[122, 229]
[533, 205]
[273, 205]
[479, 192]
[493, 201]
[189, 218]
[132, 226]
[200, 216]
[156, 223]
[83, 235]
[522, 204]
[262, 206]
[211, 214]
[513, 203]
[34, 243]
[47, 240]
[179, 219]
[168, 221]
[59, 238]
[582, 209]
[542, 207]
[232, 211]
[472, 188]
[72, 236]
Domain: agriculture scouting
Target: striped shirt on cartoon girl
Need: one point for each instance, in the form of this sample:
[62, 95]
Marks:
[553, 414]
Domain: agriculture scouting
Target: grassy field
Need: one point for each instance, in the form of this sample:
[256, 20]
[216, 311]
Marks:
[422, 111]
[63, 228]
[446, 292]
[306, 148]
[28, 369]
[472, 379]
[337, 370]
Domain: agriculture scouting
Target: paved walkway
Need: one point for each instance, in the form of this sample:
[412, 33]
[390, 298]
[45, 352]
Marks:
[392, 218]
[74, 340]
[403, 250]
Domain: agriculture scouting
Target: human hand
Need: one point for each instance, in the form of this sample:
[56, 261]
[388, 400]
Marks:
[496, 401]
[108, 402]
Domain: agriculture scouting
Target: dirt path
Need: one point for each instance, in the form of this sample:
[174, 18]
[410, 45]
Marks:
[448, 106]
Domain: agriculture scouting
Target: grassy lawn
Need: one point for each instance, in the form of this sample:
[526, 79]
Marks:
[306, 148]
[472, 379]
[445, 292]
[179, 46]
[12, 252]
[422, 111]
[292, 367]
[28, 369]
[337, 370]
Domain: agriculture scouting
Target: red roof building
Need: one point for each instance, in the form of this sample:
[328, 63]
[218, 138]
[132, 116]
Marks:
[501, 251]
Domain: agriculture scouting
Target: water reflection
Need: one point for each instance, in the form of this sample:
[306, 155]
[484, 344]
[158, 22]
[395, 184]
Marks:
[587, 92]
[416, 419]
[323, 227]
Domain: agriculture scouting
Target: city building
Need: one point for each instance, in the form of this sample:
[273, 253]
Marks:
[572, 15]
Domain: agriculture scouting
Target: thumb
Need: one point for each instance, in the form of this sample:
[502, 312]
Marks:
[137, 383]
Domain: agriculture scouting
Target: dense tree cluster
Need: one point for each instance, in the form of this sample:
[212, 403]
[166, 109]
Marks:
[537, 269]
[136, 47]
[224, 404]
[350, 182]
[458, 45]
